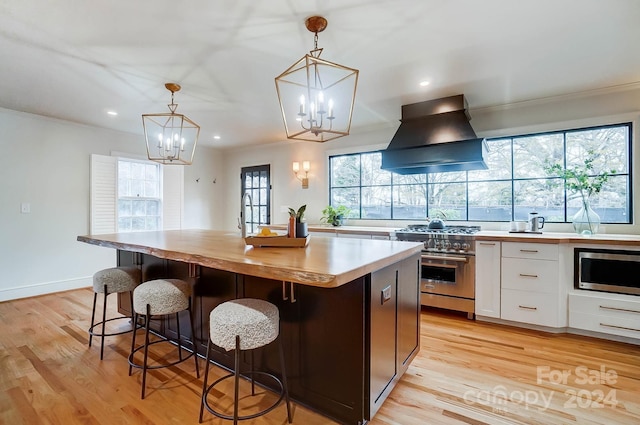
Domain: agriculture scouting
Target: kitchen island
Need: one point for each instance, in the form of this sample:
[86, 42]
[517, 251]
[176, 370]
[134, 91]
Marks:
[349, 308]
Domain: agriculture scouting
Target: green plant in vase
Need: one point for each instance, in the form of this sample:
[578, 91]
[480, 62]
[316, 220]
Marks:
[302, 229]
[335, 215]
[582, 181]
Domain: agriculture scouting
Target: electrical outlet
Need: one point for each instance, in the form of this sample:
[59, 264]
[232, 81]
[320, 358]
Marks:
[25, 208]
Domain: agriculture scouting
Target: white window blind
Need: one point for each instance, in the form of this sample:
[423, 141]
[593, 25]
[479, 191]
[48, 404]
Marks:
[104, 198]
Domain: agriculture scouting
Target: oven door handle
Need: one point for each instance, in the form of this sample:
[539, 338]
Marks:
[444, 257]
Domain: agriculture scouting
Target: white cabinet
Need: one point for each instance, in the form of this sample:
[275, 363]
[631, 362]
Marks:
[360, 235]
[607, 313]
[530, 290]
[487, 301]
[342, 234]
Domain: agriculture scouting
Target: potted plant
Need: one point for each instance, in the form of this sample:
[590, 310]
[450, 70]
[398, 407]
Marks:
[335, 215]
[302, 229]
[583, 181]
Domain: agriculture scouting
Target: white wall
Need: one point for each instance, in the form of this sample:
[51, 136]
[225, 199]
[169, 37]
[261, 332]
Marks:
[571, 111]
[46, 164]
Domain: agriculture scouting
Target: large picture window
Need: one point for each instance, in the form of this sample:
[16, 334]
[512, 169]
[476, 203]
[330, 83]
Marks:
[516, 182]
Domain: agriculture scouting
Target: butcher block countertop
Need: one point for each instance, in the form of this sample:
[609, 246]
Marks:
[325, 262]
[555, 237]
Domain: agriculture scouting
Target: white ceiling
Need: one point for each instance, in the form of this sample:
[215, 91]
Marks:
[75, 60]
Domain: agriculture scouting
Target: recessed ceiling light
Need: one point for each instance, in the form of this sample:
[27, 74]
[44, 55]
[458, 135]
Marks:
[112, 113]
[424, 83]
[216, 137]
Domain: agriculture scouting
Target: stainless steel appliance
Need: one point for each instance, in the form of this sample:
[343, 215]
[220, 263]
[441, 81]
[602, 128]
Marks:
[607, 270]
[448, 265]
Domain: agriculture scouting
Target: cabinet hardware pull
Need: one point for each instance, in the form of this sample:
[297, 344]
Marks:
[137, 258]
[487, 243]
[445, 258]
[528, 308]
[293, 294]
[528, 275]
[284, 291]
[429, 286]
[533, 251]
[619, 327]
[604, 307]
[194, 270]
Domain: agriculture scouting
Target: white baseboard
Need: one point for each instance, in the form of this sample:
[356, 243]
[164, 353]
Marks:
[44, 288]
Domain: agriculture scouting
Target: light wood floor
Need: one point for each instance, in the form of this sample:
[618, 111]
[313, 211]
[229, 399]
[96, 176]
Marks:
[466, 373]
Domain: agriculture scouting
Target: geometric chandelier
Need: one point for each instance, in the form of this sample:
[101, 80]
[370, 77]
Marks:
[171, 138]
[317, 96]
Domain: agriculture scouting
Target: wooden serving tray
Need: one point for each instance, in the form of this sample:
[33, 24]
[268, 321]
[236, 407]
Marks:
[276, 241]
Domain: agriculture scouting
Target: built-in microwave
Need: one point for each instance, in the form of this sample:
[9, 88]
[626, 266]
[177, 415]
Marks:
[607, 270]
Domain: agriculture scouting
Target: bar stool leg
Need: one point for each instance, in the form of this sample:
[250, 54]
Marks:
[146, 350]
[236, 381]
[133, 340]
[193, 338]
[253, 381]
[284, 379]
[93, 316]
[104, 320]
[179, 337]
[204, 384]
[133, 322]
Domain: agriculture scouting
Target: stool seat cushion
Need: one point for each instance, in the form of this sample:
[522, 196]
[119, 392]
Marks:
[164, 296]
[255, 321]
[117, 279]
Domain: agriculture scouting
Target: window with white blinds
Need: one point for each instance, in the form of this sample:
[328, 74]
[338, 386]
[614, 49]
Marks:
[104, 196]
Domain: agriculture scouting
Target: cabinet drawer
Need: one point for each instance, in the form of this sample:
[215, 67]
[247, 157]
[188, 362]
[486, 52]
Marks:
[614, 325]
[606, 304]
[529, 307]
[538, 251]
[530, 275]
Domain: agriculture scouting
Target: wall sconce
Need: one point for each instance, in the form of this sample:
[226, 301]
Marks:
[305, 168]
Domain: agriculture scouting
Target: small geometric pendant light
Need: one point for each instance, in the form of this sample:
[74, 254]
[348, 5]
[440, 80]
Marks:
[171, 138]
[317, 96]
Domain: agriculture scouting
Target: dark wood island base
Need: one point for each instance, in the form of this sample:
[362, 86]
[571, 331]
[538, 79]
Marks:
[346, 345]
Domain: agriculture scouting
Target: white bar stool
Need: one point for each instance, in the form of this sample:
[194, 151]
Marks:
[112, 281]
[157, 298]
[244, 324]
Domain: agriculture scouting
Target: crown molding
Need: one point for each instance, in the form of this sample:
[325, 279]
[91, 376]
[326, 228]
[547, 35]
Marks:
[559, 98]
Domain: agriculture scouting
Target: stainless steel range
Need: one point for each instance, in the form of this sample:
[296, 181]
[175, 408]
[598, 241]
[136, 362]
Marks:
[448, 265]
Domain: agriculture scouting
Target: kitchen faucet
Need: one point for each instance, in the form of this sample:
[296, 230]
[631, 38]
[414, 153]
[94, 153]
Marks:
[242, 224]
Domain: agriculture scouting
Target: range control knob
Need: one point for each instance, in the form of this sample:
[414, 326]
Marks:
[465, 246]
[456, 246]
[446, 245]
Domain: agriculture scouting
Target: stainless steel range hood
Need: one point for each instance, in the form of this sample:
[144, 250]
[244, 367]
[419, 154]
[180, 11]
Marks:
[435, 136]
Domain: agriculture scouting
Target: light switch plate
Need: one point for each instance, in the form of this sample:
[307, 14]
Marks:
[25, 208]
